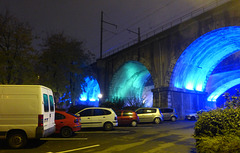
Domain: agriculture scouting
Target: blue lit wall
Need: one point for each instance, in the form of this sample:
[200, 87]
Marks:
[219, 83]
[129, 81]
[92, 91]
[221, 99]
[196, 63]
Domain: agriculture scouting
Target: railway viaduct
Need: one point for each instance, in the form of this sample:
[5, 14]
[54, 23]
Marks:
[180, 59]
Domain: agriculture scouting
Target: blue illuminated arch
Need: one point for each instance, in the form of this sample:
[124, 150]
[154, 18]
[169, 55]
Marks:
[221, 82]
[220, 90]
[129, 81]
[91, 92]
[196, 63]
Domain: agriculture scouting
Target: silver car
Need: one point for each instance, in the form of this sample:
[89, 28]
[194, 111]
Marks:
[169, 114]
[150, 115]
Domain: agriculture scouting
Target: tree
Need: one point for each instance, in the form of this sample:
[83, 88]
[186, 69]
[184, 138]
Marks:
[16, 53]
[64, 65]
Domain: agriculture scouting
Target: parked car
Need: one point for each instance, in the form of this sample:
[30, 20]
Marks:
[98, 117]
[194, 115]
[169, 114]
[127, 117]
[150, 115]
[66, 124]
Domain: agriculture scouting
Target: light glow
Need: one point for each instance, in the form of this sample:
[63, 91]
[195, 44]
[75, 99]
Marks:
[100, 96]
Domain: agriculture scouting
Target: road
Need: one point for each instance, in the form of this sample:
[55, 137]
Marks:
[167, 137]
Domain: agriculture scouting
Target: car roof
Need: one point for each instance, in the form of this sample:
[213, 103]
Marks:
[166, 108]
[97, 108]
[148, 108]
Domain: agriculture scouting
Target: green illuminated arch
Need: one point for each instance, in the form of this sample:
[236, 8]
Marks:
[129, 81]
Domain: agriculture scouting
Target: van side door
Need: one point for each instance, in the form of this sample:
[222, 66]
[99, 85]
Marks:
[49, 112]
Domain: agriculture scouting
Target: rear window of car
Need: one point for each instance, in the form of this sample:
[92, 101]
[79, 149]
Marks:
[106, 112]
[98, 112]
[150, 111]
[146, 110]
[59, 116]
[127, 113]
[166, 110]
[140, 111]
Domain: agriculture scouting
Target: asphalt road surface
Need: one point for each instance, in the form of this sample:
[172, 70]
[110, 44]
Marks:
[167, 137]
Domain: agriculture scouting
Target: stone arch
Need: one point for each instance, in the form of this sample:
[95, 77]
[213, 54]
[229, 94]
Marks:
[196, 63]
[142, 60]
[130, 80]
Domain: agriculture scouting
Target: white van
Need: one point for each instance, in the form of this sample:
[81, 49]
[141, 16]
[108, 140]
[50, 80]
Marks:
[26, 112]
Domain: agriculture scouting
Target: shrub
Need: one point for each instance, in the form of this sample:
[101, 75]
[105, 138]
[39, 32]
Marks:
[134, 102]
[219, 130]
[115, 104]
[221, 144]
[218, 122]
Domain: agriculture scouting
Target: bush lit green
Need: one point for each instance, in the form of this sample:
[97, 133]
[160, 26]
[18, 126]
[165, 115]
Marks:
[219, 144]
[218, 130]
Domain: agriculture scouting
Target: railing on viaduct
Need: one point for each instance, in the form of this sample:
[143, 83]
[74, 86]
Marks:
[169, 25]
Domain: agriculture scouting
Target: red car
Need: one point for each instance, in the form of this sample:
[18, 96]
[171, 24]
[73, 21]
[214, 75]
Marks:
[66, 124]
[127, 117]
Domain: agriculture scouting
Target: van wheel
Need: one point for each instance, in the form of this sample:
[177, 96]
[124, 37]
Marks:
[108, 126]
[66, 132]
[173, 119]
[157, 120]
[134, 123]
[17, 140]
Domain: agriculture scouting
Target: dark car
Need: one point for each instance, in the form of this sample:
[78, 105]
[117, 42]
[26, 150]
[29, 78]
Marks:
[66, 124]
[127, 117]
[169, 114]
[194, 115]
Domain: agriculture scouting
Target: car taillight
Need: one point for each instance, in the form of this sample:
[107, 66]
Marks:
[40, 120]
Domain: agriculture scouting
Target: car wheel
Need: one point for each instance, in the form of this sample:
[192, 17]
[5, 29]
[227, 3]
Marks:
[66, 132]
[108, 126]
[157, 120]
[17, 140]
[173, 119]
[193, 118]
[134, 123]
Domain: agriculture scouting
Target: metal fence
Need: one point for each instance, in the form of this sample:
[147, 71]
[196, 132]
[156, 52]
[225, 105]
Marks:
[168, 25]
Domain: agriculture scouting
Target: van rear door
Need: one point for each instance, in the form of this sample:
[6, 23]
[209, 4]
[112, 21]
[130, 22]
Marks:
[49, 113]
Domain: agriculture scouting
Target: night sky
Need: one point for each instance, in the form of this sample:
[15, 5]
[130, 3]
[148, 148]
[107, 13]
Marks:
[81, 18]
